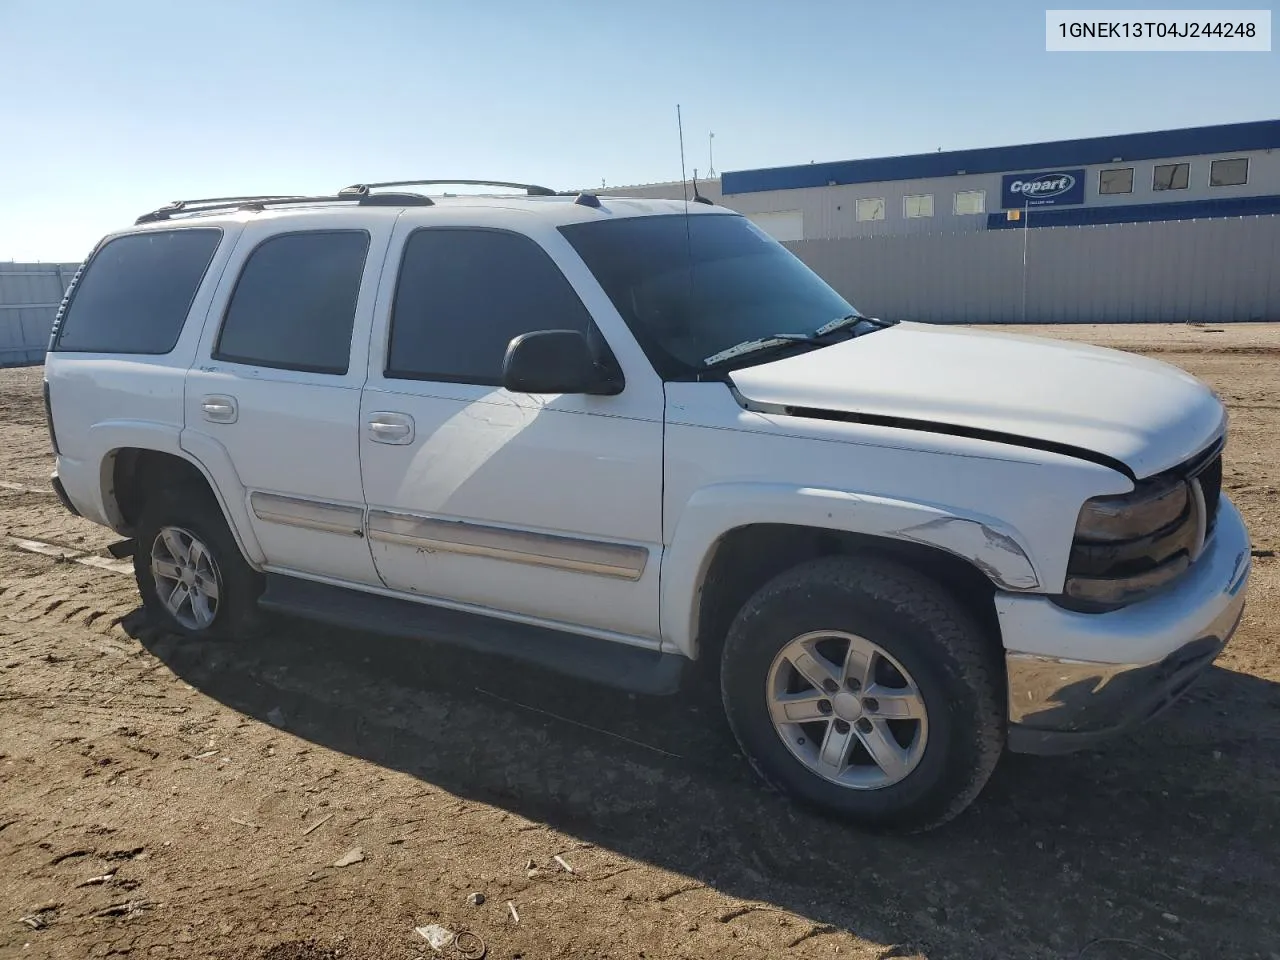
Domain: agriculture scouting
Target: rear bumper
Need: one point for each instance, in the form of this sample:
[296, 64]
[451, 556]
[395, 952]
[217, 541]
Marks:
[1136, 661]
[61, 493]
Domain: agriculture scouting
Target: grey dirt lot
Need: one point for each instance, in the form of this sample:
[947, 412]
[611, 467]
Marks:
[159, 799]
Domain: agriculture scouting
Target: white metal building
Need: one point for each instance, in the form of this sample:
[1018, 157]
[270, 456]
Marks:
[1172, 225]
[1202, 172]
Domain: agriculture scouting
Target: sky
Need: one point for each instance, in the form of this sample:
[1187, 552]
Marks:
[111, 108]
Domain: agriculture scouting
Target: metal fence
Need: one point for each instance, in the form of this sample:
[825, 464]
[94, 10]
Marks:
[1213, 271]
[29, 298]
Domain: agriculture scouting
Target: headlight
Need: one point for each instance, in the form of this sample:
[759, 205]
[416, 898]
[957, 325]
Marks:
[1130, 545]
[1132, 514]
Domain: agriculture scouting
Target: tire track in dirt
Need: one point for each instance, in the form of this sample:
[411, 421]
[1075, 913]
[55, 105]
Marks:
[94, 600]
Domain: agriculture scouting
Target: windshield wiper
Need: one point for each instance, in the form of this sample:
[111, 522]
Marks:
[839, 323]
[783, 339]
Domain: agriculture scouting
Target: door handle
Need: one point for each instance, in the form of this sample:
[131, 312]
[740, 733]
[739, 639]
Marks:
[391, 428]
[219, 408]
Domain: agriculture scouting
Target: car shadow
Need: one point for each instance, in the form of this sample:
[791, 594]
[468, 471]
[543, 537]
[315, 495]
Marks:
[1179, 820]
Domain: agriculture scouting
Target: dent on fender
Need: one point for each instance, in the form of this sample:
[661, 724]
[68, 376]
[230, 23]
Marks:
[996, 554]
[715, 510]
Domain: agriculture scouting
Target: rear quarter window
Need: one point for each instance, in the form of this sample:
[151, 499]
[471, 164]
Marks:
[135, 293]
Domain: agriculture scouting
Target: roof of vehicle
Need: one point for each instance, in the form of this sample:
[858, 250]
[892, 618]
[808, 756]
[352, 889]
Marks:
[553, 211]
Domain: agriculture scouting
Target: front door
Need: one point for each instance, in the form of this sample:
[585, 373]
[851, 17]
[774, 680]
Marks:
[277, 383]
[541, 508]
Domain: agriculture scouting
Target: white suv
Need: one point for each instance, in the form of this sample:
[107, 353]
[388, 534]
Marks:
[616, 437]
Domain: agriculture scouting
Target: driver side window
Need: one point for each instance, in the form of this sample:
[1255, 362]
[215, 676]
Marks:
[464, 293]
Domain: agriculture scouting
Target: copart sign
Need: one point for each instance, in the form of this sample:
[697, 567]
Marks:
[1042, 189]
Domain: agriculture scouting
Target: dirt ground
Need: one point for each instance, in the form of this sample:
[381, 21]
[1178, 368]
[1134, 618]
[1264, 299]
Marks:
[215, 788]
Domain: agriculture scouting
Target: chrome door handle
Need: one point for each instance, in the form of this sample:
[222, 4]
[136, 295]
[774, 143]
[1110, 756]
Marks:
[391, 428]
[220, 409]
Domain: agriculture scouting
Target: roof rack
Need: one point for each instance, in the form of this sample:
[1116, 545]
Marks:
[260, 203]
[530, 189]
[358, 192]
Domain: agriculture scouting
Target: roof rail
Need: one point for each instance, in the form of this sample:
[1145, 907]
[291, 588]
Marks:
[530, 189]
[259, 203]
[258, 196]
[209, 203]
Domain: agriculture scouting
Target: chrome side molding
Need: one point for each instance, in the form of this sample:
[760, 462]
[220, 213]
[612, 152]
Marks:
[620, 560]
[310, 514]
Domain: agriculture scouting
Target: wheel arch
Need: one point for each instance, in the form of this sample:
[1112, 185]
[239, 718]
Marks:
[132, 467]
[731, 540]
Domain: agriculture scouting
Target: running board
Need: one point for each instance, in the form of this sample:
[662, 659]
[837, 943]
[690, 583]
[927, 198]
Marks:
[606, 662]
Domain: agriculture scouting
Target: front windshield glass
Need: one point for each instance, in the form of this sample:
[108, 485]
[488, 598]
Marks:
[691, 287]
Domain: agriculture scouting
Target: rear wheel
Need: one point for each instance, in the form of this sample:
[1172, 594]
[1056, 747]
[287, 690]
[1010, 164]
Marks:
[863, 688]
[191, 574]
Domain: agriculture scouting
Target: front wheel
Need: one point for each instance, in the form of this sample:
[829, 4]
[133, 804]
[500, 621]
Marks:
[863, 688]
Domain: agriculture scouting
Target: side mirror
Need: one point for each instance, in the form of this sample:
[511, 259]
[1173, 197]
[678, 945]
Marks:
[554, 361]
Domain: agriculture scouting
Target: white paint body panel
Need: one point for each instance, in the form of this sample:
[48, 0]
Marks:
[140, 395]
[669, 468]
[1146, 414]
[727, 467]
[295, 433]
[586, 467]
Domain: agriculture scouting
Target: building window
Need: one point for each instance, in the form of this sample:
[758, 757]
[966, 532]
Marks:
[871, 208]
[920, 205]
[1171, 176]
[1116, 180]
[782, 225]
[970, 201]
[1229, 173]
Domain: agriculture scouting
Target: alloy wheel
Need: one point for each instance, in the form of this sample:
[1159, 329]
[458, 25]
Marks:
[847, 710]
[186, 577]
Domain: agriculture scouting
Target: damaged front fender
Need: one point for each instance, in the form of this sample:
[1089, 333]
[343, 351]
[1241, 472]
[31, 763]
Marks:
[714, 511]
[996, 554]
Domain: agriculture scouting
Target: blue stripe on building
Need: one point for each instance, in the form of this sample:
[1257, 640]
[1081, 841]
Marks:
[1138, 213]
[1193, 141]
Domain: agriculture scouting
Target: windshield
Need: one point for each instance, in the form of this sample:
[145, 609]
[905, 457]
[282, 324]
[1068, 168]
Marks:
[692, 287]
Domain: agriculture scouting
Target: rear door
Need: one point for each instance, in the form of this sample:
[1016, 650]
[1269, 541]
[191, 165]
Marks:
[277, 383]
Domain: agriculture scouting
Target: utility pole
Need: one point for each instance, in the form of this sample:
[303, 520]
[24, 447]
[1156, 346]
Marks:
[1026, 223]
[711, 155]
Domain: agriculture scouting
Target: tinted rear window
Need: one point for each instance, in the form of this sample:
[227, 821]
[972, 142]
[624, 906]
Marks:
[136, 291]
[295, 302]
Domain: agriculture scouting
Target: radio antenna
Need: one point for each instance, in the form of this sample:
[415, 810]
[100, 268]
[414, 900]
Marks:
[688, 229]
[680, 126]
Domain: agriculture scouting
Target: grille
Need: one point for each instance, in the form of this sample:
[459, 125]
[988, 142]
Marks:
[1210, 477]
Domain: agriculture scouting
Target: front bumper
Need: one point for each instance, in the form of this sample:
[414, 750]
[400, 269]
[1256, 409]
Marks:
[1077, 678]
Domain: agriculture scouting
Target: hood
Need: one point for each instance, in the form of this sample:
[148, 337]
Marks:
[1051, 394]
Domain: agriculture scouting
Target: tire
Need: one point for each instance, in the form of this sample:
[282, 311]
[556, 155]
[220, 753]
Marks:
[936, 764]
[188, 514]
